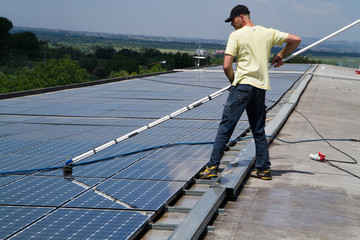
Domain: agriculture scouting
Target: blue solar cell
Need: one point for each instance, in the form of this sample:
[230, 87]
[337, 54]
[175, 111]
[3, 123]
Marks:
[163, 170]
[17, 128]
[125, 147]
[50, 121]
[13, 109]
[59, 148]
[205, 132]
[85, 224]
[8, 179]
[13, 119]
[183, 152]
[208, 134]
[169, 133]
[102, 169]
[8, 146]
[196, 138]
[110, 122]
[151, 139]
[16, 162]
[52, 132]
[132, 194]
[41, 191]
[204, 113]
[135, 114]
[187, 124]
[99, 134]
[13, 219]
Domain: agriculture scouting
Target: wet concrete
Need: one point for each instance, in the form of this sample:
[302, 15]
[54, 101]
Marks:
[306, 199]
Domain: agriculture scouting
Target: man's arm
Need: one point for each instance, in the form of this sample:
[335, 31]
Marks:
[228, 69]
[292, 42]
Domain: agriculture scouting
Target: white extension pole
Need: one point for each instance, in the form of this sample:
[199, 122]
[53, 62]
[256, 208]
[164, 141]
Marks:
[320, 41]
[146, 127]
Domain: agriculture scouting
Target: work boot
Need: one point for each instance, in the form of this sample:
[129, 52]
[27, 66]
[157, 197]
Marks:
[254, 172]
[264, 174]
[209, 173]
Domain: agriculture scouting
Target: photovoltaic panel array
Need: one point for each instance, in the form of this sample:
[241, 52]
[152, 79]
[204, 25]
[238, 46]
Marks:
[70, 223]
[116, 191]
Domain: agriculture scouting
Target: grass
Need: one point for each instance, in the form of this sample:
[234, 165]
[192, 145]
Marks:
[350, 62]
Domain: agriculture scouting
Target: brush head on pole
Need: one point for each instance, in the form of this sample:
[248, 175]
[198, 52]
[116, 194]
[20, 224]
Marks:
[67, 171]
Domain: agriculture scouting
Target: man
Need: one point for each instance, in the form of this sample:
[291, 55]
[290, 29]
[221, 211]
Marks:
[251, 44]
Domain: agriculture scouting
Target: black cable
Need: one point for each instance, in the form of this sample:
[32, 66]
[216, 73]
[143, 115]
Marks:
[333, 165]
[328, 161]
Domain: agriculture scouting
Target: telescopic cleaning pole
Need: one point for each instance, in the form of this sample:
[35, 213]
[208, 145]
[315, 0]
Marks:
[67, 169]
[320, 41]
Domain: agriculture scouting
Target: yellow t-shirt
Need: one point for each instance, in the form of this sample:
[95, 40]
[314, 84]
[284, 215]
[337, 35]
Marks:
[252, 46]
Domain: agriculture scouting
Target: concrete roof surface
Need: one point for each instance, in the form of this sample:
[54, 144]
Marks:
[306, 199]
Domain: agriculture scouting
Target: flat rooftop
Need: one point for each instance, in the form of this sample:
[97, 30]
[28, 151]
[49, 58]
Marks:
[119, 188]
[307, 199]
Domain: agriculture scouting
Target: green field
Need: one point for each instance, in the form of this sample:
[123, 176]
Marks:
[351, 62]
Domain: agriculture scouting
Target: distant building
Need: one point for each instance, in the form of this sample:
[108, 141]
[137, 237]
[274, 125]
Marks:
[219, 53]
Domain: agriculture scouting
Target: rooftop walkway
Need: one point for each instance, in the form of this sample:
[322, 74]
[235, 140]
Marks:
[306, 199]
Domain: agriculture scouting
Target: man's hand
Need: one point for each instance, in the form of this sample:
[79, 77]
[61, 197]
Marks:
[292, 42]
[277, 61]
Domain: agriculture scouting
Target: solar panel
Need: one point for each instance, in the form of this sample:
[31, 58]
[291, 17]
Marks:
[85, 224]
[58, 148]
[51, 132]
[9, 146]
[184, 124]
[110, 122]
[103, 169]
[13, 219]
[41, 191]
[137, 194]
[113, 198]
[15, 162]
[163, 170]
[8, 179]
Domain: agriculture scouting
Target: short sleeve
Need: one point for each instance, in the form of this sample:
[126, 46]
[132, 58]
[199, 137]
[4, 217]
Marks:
[279, 37]
[231, 47]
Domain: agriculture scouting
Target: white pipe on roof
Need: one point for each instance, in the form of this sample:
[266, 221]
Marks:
[321, 40]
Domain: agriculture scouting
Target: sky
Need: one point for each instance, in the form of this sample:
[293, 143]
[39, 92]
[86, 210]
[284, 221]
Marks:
[185, 18]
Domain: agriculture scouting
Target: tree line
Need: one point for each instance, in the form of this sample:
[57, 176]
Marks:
[29, 63]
